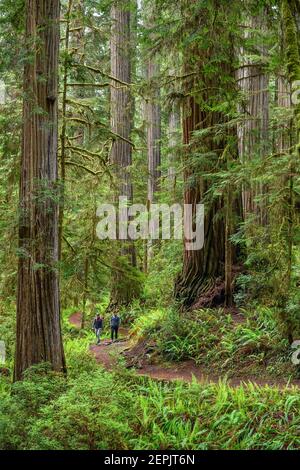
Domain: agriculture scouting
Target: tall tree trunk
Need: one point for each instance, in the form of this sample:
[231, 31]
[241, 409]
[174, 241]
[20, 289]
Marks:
[153, 130]
[283, 146]
[38, 303]
[123, 288]
[86, 289]
[174, 123]
[253, 132]
[202, 280]
[153, 117]
[63, 133]
[203, 270]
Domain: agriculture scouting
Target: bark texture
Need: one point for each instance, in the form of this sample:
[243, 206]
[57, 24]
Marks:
[153, 118]
[121, 154]
[174, 124]
[38, 303]
[253, 131]
[202, 280]
[203, 270]
[123, 286]
[153, 131]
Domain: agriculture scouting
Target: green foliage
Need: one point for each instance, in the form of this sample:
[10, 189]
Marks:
[218, 417]
[230, 343]
[120, 411]
[164, 268]
[7, 329]
[149, 324]
[93, 414]
[18, 409]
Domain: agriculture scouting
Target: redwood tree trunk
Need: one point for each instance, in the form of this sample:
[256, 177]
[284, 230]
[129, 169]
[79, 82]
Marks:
[153, 117]
[38, 303]
[153, 132]
[203, 270]
[174, 124]
[123, 288]
[253, 132]
[121, 154]
[202, 280]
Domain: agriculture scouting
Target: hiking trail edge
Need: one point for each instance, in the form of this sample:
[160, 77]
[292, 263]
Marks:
[107, 353]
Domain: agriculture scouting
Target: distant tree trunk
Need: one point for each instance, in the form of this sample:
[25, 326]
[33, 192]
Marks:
[283, 146]
[123, 288]
[78, 45]
[174, 124]
[153, 118]
[121, 154]
[153, 131]
[63, 133]
[86, 290]
[253, 132]
[38, 303]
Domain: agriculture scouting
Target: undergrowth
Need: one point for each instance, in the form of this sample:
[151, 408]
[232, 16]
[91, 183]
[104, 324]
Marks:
[249, 343]
[93, 409]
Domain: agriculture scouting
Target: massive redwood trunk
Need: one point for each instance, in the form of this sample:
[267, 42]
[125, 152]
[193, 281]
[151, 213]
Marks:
[202, 277]
[202, 280]
[38, 303]
[124, 289]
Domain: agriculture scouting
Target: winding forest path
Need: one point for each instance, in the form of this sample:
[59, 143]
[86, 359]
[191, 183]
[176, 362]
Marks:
[108, 353]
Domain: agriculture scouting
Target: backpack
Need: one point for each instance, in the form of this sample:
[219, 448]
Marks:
[115, 321]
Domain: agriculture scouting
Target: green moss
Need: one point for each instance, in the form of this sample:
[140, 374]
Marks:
[291, 41]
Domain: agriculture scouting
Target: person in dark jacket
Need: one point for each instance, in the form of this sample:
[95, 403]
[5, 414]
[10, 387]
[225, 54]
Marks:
[114, 326]
[98, 325]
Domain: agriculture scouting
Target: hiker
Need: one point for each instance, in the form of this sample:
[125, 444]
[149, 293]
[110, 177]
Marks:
[114, 325]
[97, 326]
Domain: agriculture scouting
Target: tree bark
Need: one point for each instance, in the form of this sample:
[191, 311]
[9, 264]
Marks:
[63, 133]
[38, 302]
[202, 280]
[153, 131]
[174, 124]
[153, 118]
[202, 269]
[253, 132]
[123, 288]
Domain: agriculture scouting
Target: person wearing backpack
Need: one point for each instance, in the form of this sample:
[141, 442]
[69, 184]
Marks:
[98, 326]
[114, 326]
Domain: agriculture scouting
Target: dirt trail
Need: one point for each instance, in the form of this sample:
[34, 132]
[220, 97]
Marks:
[107, 353]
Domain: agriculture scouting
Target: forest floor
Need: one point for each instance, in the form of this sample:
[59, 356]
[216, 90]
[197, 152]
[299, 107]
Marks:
[108, 354]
